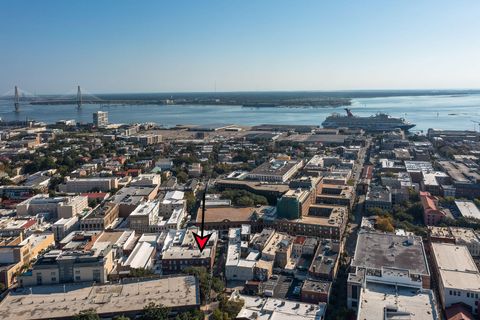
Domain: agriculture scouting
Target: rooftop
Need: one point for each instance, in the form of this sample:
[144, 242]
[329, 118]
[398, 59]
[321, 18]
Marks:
[316, 286]
[46, 302]
[379, 301]
[219, 214]
[456, 267]
[379, 250]
[257, 308]
[274, 167]
[468, 209]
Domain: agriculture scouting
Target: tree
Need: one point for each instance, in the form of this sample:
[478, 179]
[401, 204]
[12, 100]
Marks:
[122, 317]
[416, 211]
[191, 201]
[385, 224]
[182, 176]
[230, 307]
[140, 272]
[89, 314]
[219, 315]
[154, 311]
[244, 201]
[191, 315]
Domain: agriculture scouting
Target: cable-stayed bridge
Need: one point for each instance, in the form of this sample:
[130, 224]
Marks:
[75, 97]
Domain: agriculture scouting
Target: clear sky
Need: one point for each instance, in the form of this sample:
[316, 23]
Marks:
[163, 46]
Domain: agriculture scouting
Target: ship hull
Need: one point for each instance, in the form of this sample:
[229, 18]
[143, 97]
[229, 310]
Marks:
[368, 126]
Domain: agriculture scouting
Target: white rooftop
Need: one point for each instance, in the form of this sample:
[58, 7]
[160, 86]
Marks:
[385, 302]
[468, 209]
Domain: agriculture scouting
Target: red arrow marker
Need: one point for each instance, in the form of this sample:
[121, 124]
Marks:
[201, 240]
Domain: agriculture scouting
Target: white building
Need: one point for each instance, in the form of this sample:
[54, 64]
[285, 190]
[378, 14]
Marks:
[100, 118]
[380, 302]
[64, 226]
[172, 200]
[144, 216]
[468, 209]
[467, 237]
[275, 170]
[278, 309]
[458, 276]
[236, 268]
[59, 207]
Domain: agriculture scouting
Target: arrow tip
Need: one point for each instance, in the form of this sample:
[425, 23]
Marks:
[201, 241]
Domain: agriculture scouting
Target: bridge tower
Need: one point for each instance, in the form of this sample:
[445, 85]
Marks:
[79, 97]
[16, 100]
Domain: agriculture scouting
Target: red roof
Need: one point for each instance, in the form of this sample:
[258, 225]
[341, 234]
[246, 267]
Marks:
[300, 240]
[458, 311]
[29, 223]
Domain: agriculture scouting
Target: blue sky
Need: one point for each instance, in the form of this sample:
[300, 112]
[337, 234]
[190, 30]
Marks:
[162, 46]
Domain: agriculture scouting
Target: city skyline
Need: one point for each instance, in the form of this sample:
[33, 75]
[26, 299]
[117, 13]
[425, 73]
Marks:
[113, 47]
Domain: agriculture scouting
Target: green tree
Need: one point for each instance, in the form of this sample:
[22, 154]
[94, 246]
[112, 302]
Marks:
[154, 311]
[219, 315]
[182, 176]
[230, 307]
[416, 211]
[122, 317]
[244, 201]
[191, 315]
[89, 314]
[191, 201]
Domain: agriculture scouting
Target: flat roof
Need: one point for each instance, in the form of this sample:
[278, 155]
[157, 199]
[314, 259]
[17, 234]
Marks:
[468, 209]
[219, 214]
[279, 309]
[379, 301]
[456, 267]
[453, 257]
[274, 167]
[47, 302]
[379, 250]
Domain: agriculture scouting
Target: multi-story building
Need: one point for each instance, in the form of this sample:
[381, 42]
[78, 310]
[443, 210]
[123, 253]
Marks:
[324, 221]
[275, 170]
[238, 268]
[100, 218]
[129, 198]
[457, 276]
[64, 226]
[172, 200]
[334, 194]
[195, 169]
[431, 214]
[325, 262]
[100, 118]
[144, 217]
[58, 266]
[81, 185]
[378, 197]
[180, 251]
[58, 207]
[388, 259]
[315, 291]
[295, 203]
[16, 252]
[278, 249]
